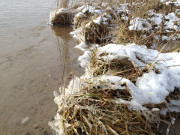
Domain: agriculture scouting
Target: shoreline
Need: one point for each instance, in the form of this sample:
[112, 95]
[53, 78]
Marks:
[119, 71]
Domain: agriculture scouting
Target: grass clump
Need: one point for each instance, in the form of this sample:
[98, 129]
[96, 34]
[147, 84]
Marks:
[117, 67]
[94, 109]
[149, 33]
[62, 3]
[95, 112]
[96, 33]
[80, 19]
[61, 17]
[122, 67]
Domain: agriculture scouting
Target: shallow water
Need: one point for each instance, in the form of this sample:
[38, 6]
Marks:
[32, 65]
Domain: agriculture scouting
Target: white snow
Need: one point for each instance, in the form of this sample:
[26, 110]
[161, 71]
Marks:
[170, 24]
[156, 17]
[79, 14]
[155, 109]
[140, 24]
[165, 38]
[85, 59]
[88, 8]
[151, 87]
[86, 47]
[78, 34]
[100, 19]
[175, 2]
[97, 20]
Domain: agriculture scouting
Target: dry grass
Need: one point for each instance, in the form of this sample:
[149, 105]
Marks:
[117, 67]
[96, 34]
[175, 95]
[94, 112]
[125, 35]
[92, 32]
[147, 38]
[140, 10]
[62, 3]
[64, 17]
[80, 20]
[122, 67]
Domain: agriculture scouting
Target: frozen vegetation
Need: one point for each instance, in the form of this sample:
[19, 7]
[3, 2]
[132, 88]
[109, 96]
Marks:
[130, 74]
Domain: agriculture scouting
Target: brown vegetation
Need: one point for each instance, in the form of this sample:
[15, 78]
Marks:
[95, 112]
[62, 17]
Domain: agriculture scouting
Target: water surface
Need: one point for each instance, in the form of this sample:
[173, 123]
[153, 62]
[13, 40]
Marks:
[32, 64]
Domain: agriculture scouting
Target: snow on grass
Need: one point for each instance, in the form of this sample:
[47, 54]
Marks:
[85, 59]
[171, 1]
[157, 22]
[176, 3]
[55, 12]
[140, 24]
[163, 69]
[99, 20]
[90, 9]
[172, 22]
[156, 17]
[151, 87]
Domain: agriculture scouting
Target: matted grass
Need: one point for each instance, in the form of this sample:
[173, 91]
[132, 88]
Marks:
[61, 17]
[94, 112]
